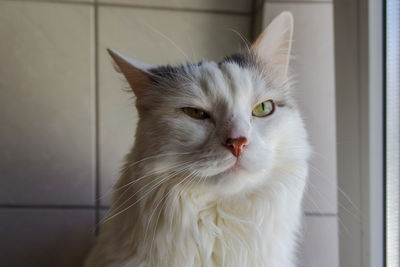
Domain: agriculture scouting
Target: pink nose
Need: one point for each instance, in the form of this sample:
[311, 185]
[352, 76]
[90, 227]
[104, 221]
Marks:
[236, 145]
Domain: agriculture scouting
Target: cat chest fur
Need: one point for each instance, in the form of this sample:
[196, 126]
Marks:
[250, 230]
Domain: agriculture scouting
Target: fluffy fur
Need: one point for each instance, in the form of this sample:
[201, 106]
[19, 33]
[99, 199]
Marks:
[183, 198]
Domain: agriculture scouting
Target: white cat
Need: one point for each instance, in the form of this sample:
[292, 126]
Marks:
[218, 169]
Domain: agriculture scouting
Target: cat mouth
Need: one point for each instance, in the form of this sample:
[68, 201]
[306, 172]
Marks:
[236, 167]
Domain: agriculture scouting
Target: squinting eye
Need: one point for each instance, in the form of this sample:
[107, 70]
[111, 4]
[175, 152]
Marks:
[196, 113]
[264, 109]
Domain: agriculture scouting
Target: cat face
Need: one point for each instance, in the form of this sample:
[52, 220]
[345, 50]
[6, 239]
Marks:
[225, 125]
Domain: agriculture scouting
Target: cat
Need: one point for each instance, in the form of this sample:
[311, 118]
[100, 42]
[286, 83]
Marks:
[219, 164]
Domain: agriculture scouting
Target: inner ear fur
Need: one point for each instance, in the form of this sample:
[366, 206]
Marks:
[135, 72]
[274, 44]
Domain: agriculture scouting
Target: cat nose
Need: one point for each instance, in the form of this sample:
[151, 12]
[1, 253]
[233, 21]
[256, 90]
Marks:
[236, 145]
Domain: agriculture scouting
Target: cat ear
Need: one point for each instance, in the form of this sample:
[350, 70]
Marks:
[274, 44]
[135, 72]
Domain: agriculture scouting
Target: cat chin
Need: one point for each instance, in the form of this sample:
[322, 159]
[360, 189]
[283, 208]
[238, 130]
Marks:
[238, 175]
[236, 179]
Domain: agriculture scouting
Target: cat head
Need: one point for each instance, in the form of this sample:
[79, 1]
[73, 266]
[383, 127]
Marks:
[229, 124]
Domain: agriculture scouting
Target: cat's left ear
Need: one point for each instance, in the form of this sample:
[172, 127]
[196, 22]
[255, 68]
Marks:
[275, 42]
[135, 72]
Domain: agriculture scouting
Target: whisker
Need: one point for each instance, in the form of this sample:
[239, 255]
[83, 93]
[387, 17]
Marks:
[159, 213]
[318, 208]
[164, 197]
[165, 37]
[244, 39]
[147, 175]
[125, 169]
[153, 187]
[340, 190]
[313, 168]
[157, 156]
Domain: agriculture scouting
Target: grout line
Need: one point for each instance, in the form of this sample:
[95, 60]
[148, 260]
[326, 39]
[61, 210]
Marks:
[30, 206]
[315, 214]
[259, 5]
[99, 207]
[97, 119]
[121, 5]
[321, 214]
[253, 20]
[182, 9]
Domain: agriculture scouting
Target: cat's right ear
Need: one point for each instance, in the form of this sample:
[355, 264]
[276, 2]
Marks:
[135, 72]
[274, 44]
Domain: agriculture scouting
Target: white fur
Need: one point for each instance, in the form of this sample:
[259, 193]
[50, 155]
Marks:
[181, 202]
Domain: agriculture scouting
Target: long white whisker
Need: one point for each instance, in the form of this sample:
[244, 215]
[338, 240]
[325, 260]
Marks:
[130, 165]
[162, 155]
[340, 190]
[244, 39]
[149, 174]
[159, 203]
[318, 208]
[337, 186]
[165, 37]
[160, 181]
[159, 213]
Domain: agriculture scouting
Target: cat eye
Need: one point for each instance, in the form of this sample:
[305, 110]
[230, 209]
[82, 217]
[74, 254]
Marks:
[264, 109]
[196, 113]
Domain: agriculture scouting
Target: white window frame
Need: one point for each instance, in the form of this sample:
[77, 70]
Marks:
[392, 133]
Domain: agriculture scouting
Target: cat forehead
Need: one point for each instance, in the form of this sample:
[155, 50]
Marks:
[168, 72]
[230, 77]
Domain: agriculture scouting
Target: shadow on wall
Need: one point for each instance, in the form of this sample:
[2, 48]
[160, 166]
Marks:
[45, 237]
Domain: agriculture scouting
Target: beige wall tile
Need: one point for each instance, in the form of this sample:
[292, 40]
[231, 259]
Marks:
[313, 65]
[258, 4]
[225, 5]
[56, 1]
[45, 237]
[298, 1]
[320, 244]
[153, 36]
[46, 104]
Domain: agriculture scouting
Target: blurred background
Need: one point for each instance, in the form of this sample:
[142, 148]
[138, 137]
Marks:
[66, 121]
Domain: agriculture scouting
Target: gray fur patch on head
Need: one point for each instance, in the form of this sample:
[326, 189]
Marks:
[243, 59]
[173, 73]
[167, 72]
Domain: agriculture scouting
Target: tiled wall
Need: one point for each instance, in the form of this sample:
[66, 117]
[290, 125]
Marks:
[66, 122]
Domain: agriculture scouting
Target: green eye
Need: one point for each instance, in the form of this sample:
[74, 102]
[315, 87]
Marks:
[196, 113]
[264, 109]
